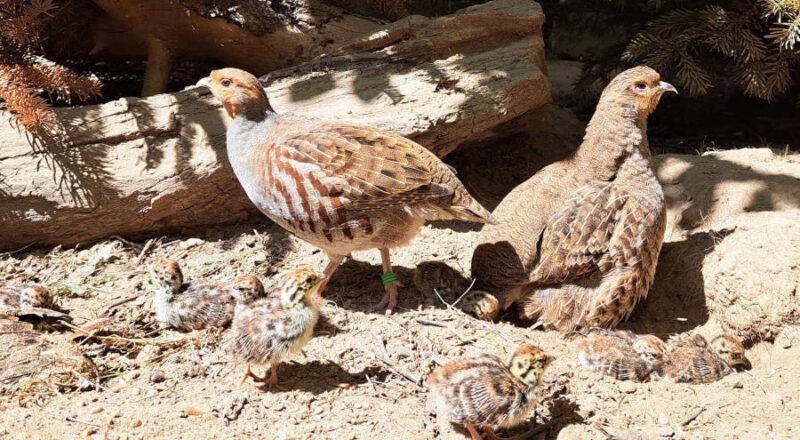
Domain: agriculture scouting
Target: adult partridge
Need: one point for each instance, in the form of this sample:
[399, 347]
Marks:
[487, 393]
[338, 186]
[577, 243]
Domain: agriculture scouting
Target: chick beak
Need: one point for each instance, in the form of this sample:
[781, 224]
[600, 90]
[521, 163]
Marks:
[667, 87]
[207, 82]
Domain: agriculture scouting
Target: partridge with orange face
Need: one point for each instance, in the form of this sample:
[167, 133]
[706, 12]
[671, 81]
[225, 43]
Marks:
[486, 393]
[577, 244]
[338, 186]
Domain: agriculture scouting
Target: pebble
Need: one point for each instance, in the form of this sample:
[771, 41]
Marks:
[136, 423]
[157, 376]
[738, 386]
[97, 409]
[190, 243]
[663, 419]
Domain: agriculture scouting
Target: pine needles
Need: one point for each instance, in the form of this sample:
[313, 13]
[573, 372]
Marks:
[28, 81]
[753, 45]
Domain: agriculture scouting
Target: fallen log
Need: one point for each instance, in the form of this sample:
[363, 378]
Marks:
[140, 167]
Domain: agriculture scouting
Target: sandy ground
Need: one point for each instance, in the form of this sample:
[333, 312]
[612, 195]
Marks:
[363, 374]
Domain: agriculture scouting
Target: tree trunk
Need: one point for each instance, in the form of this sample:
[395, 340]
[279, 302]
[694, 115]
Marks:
[139, 167]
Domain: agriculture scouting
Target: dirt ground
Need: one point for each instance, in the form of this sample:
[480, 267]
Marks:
[363, 374]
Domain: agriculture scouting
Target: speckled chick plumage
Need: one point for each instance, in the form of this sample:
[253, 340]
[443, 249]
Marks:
[577, 243]
[338, 186]
[622, 355]
[692, 359]
[198, 305]
[486, 392]
[280, 325]
[25, 296]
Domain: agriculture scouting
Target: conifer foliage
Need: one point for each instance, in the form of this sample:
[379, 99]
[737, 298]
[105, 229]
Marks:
[754, 43]
[29, 81]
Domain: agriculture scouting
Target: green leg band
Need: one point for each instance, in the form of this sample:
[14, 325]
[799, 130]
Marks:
[388, 277]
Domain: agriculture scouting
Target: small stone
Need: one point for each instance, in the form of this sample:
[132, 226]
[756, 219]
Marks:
[87, 432]
[157, 376]
[663, 419]
[136, 423]
[190, 243]
[97, 409]
[665, 431]
[628, 387]
[738, 386]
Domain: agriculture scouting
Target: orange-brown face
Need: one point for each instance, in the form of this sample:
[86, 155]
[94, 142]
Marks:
[236, 90]
[642, 85]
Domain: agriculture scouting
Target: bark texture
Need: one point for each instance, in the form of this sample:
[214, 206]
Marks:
[140, 167]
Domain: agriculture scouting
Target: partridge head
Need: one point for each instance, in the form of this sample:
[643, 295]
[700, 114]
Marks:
[278, 326]
[621, 354]
[338, 186]
[245, 290]
[486, 393]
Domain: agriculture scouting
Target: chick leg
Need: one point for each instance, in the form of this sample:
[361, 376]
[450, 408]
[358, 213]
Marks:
[473, 432]
[390, 298]
[272, 382]
[249, 373]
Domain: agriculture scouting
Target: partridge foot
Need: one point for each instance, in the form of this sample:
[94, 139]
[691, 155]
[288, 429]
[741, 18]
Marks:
[481, 304]
[389, 300]
[248, 373]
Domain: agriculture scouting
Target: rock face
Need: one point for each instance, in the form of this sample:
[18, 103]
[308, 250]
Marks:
[732, 246]
[138, 167]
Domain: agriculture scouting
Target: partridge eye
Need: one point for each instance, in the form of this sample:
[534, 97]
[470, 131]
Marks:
[641, 85]
[225, 82]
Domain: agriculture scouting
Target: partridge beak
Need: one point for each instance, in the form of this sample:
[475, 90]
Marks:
[207, 82]
[667, 87]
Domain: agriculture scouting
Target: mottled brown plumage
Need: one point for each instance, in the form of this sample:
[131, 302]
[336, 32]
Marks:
[620, 354]
[340, 187]
[578, 242]
[25, 296]
[692, 359]
[278, 326]
[198, 305]
[487, 393]
[438, 276]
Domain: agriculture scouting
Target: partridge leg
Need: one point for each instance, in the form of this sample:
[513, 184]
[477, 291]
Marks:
[473, 432]
[334, 261]
[390, 298]
[490, 435]
[249, 373]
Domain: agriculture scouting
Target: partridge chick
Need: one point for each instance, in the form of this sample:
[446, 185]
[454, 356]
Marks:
[577, 243]
[198, 305]
[694, 360]
[278, 326]
[485, 392]
[337, 186]
[621, 354]
[438, 276]
[25, 296]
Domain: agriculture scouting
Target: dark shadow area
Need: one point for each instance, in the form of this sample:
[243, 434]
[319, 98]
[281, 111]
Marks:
[357, 285]
[676, 302]
[317, 377]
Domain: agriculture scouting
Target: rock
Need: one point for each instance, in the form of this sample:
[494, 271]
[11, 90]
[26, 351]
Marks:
[628, 387]
[157, 376]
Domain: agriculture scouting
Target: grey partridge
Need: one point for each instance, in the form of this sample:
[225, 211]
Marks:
[198, 305]
[338, 186]
[621, 354]
[487, 393]
[693, 360]
[577, 243]
[279, 325]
